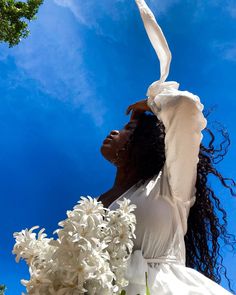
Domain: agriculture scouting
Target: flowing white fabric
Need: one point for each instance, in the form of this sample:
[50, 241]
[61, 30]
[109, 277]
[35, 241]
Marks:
[156, 37]
[163, 202]
[161, 48]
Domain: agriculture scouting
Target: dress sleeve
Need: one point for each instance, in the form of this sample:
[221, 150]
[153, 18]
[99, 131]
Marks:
[181, 114]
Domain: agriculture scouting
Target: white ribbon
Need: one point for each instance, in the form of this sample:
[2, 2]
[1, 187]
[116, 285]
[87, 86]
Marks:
[161, 48]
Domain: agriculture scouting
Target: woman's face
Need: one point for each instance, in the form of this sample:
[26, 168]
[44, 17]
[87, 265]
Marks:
[115, 141]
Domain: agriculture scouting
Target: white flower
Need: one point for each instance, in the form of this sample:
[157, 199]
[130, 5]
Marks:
[89, 256]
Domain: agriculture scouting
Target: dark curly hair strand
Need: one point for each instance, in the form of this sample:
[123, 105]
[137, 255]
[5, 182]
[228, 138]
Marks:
[205, 229]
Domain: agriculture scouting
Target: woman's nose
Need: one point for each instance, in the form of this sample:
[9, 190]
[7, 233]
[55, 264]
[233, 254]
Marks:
[114, 132]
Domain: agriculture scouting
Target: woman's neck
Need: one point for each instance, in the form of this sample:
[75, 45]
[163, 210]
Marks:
[123, 181]
[125, 178]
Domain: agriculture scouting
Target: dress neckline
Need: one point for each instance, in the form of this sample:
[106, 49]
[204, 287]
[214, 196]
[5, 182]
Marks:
[128, 190]
[124, 193]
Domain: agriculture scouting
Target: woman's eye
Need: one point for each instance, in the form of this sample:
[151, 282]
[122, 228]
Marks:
[128, 128]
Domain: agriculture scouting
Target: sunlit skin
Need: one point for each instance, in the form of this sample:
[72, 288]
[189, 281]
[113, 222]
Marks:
[126, 174]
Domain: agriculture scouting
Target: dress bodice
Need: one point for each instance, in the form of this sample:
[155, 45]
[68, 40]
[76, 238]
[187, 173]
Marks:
[159, 232]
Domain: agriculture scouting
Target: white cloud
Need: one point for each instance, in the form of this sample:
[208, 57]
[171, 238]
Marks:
[75, 9]
[231, 8]
[161, 7]
[52, 55]
[4, 52]
[90, 12]
[229, 53]
[226, 51]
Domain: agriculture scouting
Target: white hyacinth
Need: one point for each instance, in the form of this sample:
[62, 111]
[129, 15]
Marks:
[88, 257]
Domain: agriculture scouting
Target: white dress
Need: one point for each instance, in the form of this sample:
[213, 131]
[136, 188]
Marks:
[163, 202]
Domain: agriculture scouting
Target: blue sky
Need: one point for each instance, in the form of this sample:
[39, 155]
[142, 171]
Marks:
[65, 87]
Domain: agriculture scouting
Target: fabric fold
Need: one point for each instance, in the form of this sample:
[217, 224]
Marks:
[156, 38]
[136, 268]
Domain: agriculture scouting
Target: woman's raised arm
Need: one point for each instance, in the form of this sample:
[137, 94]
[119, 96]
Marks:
[181, 114]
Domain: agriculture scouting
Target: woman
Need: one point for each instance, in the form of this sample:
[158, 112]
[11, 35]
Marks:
[162, 167]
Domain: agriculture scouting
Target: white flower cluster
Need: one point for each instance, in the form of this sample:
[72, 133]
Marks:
[88, 257]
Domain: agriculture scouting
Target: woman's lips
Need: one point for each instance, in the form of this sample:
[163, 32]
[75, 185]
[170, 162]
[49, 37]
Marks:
[107, 140]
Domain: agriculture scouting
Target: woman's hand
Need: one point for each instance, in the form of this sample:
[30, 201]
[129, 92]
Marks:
[137, 109]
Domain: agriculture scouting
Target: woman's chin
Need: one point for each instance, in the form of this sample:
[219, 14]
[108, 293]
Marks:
[104, 148]
[106, 143]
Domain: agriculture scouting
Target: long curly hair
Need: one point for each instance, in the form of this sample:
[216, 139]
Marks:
[205, 229]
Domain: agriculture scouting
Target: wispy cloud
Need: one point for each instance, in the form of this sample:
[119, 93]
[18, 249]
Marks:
[161, 7]
[90, 12]
[112, 19]
[96, 14]
[53, 56]
[229, 53]
[231, 8]
[226, 51]
[4, 52]
[74, 7]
